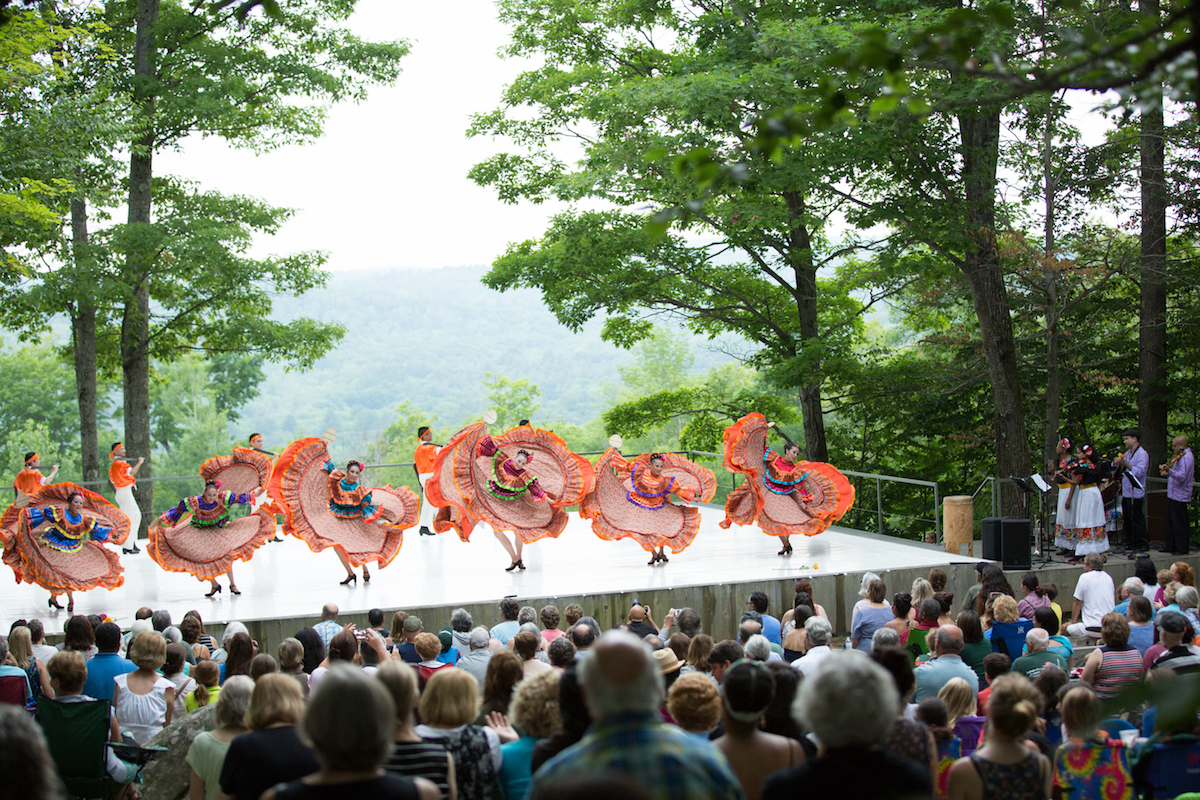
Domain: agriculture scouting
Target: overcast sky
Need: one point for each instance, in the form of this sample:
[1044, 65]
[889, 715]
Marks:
[387, 185]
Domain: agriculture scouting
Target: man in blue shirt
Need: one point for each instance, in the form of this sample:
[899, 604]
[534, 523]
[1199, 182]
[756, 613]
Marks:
[328, 627]
[947, 664]
[106, 664]
[770, 625]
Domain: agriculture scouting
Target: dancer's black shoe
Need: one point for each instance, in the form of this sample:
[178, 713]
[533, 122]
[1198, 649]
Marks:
[216, 590]
[351, 578]
[426, 532]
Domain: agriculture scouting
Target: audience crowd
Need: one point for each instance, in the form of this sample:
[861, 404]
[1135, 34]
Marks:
[995, 698]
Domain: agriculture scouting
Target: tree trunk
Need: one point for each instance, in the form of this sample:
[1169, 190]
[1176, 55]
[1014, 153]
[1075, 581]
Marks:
[1152, 337]
[135, 323]
[800, 252]
[980, 134]
[83, 339]
[1053, 367]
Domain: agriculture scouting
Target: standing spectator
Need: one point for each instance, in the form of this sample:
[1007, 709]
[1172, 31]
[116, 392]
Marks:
[328, 627]
[752, 753]
[850, 706]
[1038, 655]
[973, 591]
[476, 661]
[1004, 767]
[272, 751]
[448, 708]
[771, 626]
[946, 664]
[1116, 665]
[1034, 596]
[206, 755]
[1094, 593]
[550, 620]
[870, 617]
[623, 689]
[503, 631]
[818, 631]
[411, 756]
[143, 699]
[535, 714]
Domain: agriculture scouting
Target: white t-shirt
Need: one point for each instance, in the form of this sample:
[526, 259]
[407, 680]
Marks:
[1096, 590]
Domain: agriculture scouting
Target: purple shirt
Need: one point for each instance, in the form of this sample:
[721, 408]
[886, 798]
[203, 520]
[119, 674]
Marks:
[1179, 478]
[1139, 462]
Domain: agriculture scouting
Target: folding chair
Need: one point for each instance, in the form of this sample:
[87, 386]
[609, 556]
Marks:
[1114, 726]
[13, 690]
[1009, 637]
[77, 736]
[1173, 769]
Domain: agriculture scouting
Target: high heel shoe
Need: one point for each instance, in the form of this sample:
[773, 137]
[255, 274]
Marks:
[786, 551]
[663, 558]
[366, 576]
[653, 560]
[70, 606]
[233, 589]
[351, 578]
[216, 590]
[53, 603]
[512, 566]
[521, 564]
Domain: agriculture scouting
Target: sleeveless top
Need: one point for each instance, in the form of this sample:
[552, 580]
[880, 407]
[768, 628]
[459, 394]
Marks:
[1118, 669]
[1018, 781]
[473, 769]
[385, 787]
[420, 760]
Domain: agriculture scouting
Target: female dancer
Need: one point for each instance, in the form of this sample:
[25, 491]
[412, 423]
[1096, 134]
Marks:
[1088, 529]
[1064, 520]
[478, 478]
[784, 495]
[67, 555]
[329, 507]
[200, 526]
[631, 499]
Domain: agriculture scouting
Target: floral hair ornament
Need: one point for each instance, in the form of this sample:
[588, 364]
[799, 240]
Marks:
[358, 464]
[1087, 450]
[214, 484]
[528, 455]
[1065, 443]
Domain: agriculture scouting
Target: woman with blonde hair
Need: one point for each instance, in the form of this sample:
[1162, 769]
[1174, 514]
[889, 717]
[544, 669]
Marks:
[1004, 767]
[20, 645]
[271, 752]
[206, 755]
[143, 699]
[697, 655]
[448, 709]
[208, 686]
[961, 705]
[921, 591]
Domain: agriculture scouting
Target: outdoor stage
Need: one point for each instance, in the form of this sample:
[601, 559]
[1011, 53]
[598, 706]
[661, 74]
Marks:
[284, 585]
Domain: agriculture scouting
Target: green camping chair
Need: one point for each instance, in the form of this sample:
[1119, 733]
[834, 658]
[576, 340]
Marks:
[77, 735]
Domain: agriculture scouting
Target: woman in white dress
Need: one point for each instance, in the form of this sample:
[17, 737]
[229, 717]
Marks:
[1064, 518]
[143, 699]
[1090, 532]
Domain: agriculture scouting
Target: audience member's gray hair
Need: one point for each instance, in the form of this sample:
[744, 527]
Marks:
[757, 647]
[591, 623]
[850, 702]
[527, 614]
[1134, 586]
[884, 637]
[819, 630]
[951, 643]
[232, 628]
[172, 635]
[234, 700]
[460, 620]
[688, 620]
[606, 699]
[531, 627]
[1187, 597]
[479, 638]
[161, 620]
[1037, 639]
[866, 578]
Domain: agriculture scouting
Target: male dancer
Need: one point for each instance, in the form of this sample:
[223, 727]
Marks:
[30, 480]
[1179, 473]
[1136, 462]
[424, 457]
[256, 444]
[121, 476]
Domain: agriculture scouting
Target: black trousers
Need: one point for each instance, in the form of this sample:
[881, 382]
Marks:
[1134, 511]
[1179, 529]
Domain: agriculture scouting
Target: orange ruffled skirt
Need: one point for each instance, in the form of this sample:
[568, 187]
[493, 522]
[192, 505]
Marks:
[614, 517]
[300, 487]
[92, 566]
[460, 484]
[779, 514]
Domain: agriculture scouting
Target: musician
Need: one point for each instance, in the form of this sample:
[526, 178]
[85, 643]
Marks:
[1179, 472]
[121, 476]
[1135, 461]
[424, 457]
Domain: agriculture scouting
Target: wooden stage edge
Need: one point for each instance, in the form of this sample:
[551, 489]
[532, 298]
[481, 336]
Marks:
[285, 585]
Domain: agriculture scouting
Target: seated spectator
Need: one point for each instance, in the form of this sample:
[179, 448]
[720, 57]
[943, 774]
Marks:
[535, 714]
[1094, 592]
[1132, 587]
[758, 648]
[575, 720]
[778, 719]
[850, 706]
[68, 675]
[1115, 665]
[173, 669]
[671, 668]
[994, 665]
[448, 708]
[231, 629]
[525, 644]
[290, 656]
[946, 664]
[107, 663]
[976, 647]
[771, 626]
[396, 634]
[1004, 766]
[29, 769]
[937, 579]
[818, 632]
[343, 647]
[207, 675]
[1048, 685]
[908, 738]
[927, 616]
[932, 713]
[143, 699]
[901, 608]
[678, 643]
[410, 755]
[1164, 579]
[572, 614]
[885, 637]
[697, 655]
[504, 672]
[505, 630]
[262, 664]
[240, 650]
[206, 755]
[79, 635]
[448, 654]
[1038, 655]
[1141, 623]
[349, 722]
[921, 591]
[993, 582]
[428, 647]
[694, 703]
[475, 660]
[561, 652]
[1052, 596]
[1103, 771]
[795, 641]
[407, 649]
[314, 649]
[37, 632]
[550, 619]
[870, 617]
[272, 751]
[1187, 598]
[1173, 652]
[1033, 597]
[20, 648]
[753, 754]
[623, 688]
[1045, 619]
[640, 623]
[946, 601]
[972, 593]
[723, 654]
[960, 700]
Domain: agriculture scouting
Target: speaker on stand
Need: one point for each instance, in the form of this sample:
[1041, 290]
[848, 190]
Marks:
[1007, 541]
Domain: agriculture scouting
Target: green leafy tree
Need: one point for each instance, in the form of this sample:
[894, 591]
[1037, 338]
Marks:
[512, 400]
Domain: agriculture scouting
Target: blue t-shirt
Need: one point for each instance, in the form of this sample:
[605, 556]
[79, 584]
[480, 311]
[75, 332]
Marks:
[867, 620]
[771, 629]
[100, 673]
[517, 767]
[506, 630]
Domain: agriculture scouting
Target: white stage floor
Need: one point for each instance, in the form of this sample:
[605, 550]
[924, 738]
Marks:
[287, 579]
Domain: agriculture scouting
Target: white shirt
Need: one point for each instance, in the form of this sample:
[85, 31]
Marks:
[1096, 590]
[808, 663]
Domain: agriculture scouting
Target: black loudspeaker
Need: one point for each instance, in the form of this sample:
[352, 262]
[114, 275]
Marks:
[1007, 541]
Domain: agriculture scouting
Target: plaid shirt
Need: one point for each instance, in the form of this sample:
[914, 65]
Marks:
[660, 758]
[327, 629]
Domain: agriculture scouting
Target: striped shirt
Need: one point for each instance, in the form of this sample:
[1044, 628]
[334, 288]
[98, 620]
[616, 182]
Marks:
[1118, 670]
[421, 760]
